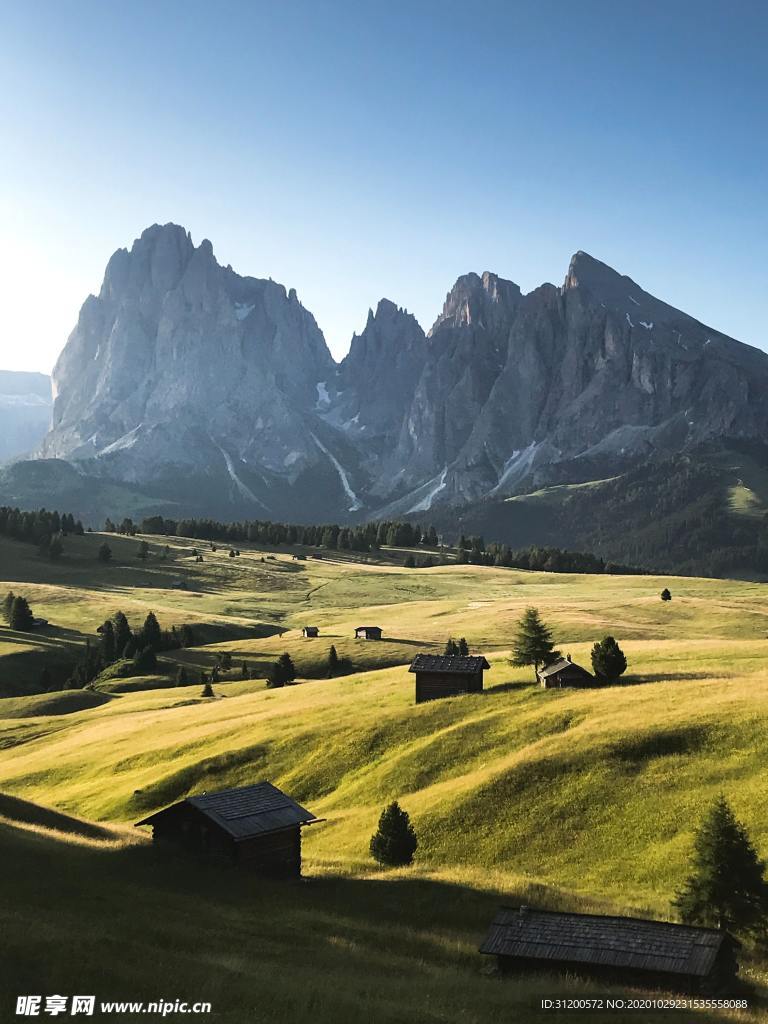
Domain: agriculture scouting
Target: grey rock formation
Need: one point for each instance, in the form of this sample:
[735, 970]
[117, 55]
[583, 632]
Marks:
[25, 412]
[218, 392]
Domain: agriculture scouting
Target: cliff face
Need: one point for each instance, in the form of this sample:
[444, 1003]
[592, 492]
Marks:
[181, 371]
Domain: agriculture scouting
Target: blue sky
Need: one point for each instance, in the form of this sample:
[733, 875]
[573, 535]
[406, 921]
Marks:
[360, 150]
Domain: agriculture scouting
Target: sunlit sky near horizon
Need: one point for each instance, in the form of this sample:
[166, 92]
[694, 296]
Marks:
[355, 150]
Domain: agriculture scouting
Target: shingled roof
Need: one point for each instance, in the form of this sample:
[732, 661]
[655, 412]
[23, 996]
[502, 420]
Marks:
[245, 812]
[558, 666]
[448, 663]
[593, 940]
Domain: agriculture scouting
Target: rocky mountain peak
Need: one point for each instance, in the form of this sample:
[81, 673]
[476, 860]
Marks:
[477, 300]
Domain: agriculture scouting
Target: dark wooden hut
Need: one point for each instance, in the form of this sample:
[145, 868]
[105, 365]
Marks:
[310, 631]
[446, 675]
[254, 827]
[564, 672]
[628, 950]
[368, 633]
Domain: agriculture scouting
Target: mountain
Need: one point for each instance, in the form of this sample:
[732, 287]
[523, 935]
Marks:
[215, 394]
[25, 412]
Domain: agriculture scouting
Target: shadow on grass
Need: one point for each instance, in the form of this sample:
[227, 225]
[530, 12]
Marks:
[27, 813]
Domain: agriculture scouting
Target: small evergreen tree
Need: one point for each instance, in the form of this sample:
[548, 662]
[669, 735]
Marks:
[22, 618]
[451, 648]
[394, 842]
[181, 676]
[727, 887]
[108, 644]
[532, 644]
[463, 647]
[243, 671]
[151, 634]
[8, 605]
[333, 663]
[143, 551]
[287, 668]
[666, 595]
[105, 553]
[608, 660]
[207, 688]
[123, 634]
[226, 661]
[129, 650]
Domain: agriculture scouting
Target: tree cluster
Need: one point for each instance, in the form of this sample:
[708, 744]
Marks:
[43, 528]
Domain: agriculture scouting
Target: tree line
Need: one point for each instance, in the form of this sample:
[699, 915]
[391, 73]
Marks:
[365, 537]
[45, 529]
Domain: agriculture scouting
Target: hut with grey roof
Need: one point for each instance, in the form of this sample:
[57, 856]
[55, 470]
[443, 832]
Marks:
[254, 827]
[629, 950]
[564, 672]
[447, 675]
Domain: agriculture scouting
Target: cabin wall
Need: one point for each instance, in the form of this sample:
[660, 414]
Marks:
[568, 677]
[191, 831]
[624, 976]
[277, 853]
[434, 685]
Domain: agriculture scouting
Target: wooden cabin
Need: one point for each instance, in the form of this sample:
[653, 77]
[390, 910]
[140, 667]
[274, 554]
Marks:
[368, 633]
[447, 675]
[257, 828]
[310, 631]
[564, 672]
[627, 950]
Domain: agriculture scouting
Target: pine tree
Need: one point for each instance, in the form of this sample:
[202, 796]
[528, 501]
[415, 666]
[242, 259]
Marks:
[105, 553]
[394, 842]
[207, 688]
[243, 671]
[181, 676]
[151, 634]
[727, 887]
[123, 634]
[533, 644]
[463, 647]
[333, 663]
[608, 660]
[8, 605]
[143, 551]
[21, 618]
[226, 661]
[666, 595]
[287, 667]
[451, 648]
[108, 644]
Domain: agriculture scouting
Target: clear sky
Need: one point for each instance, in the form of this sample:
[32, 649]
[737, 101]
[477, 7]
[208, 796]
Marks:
[355, 150]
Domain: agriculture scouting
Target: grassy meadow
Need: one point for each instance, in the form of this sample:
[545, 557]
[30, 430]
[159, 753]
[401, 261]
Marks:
[578, 799]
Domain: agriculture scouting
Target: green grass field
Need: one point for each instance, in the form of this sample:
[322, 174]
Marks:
[581, 799]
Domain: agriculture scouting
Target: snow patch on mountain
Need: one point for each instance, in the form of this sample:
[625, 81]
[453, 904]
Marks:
[356, 503]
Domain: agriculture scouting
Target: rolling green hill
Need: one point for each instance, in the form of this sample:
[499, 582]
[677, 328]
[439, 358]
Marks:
[582, 799]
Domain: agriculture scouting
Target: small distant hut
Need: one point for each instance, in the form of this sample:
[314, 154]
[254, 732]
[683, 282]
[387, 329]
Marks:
[447, 675]
[368, 633]
[310, 631]
[627, 950]
[564, 672]
[257, 828]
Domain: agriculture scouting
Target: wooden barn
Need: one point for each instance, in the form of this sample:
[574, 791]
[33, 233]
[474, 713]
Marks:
[446, 675]
[627, 950]
[368, 633]
[254, 827]
[310, 631]
[564, 672]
